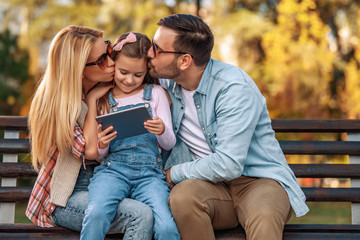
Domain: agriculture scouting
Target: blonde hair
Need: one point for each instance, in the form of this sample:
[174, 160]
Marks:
[56, 104]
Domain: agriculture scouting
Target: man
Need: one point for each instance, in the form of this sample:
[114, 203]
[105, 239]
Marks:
[227, 165]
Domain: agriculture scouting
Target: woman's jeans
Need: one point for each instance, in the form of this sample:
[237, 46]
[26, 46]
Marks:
[133, 218]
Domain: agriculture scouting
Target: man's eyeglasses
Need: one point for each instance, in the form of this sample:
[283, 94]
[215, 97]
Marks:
[102, 61]
[156, 50]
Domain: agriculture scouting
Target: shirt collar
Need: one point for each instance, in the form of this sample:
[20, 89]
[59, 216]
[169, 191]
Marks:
[204, 81]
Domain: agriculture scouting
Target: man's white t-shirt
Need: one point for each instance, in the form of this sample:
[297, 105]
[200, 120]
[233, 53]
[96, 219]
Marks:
[190, 130]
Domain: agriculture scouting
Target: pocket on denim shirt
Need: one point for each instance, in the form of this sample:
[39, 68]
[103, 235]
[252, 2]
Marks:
[211, 132]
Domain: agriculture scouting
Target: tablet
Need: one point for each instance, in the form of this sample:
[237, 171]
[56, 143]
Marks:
[127, 123]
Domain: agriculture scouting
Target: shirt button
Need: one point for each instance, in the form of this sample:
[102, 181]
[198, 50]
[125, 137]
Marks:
[159, 160]
[209, 134]
[102, 162]
[198, 106]
[182, 108]
[203, 129]
[108, 164]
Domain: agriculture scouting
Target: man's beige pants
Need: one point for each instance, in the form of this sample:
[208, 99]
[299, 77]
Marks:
[260, 205]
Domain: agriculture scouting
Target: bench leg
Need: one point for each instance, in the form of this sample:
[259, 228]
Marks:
[355, 183]
[7, 210]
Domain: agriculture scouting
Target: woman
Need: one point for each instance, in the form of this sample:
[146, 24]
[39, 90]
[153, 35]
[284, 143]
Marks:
[78, 60]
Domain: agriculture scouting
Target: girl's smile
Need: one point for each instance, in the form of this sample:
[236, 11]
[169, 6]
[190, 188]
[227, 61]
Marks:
[129, 75]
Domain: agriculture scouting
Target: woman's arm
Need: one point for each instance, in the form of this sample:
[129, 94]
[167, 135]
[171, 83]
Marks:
[90, 124]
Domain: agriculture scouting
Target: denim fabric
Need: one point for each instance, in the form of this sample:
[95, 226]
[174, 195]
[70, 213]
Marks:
[133, 168]
[132, 217]
[236, 124]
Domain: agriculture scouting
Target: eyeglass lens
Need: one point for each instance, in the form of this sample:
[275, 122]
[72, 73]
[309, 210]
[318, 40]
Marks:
[102, 61]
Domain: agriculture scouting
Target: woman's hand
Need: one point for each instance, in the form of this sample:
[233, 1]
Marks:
[98, 92]
[155, 126]
[106, 136]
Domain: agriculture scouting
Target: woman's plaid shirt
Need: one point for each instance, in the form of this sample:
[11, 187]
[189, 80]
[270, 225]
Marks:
[39, 208]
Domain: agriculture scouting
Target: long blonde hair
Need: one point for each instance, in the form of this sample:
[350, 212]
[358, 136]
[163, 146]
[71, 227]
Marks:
[57, 101]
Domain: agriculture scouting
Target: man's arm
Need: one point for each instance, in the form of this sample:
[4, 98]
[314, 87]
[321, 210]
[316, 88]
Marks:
[238, 110]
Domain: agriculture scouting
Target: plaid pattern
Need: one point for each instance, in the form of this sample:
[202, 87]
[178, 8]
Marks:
[79, 143]
[39, 208]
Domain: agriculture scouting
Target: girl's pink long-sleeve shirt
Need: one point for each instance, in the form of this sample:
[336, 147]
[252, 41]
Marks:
[160, 107]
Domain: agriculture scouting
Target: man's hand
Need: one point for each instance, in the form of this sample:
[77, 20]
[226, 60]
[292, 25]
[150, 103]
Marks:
[168, 178]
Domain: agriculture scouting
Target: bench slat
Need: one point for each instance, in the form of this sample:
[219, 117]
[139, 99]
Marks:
[316, 125]
[288, 147]
[219, 236]
[14, 145]
[321, 147]
[24, 169]
[13, 123]
[279, 125]
[21, 169]
[332, 194]
[291, 231]
[10, 194]
[326, 170]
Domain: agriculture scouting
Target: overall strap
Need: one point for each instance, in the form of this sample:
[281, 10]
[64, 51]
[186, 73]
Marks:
[147, 92]
[112, 103]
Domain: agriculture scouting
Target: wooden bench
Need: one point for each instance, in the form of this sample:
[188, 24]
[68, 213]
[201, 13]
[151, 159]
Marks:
[10, 169]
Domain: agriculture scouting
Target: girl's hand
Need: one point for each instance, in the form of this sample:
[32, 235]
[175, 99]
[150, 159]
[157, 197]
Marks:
[106, 136]
[155, 126]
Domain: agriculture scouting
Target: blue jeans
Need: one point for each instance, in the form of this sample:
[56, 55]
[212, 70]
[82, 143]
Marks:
[112, 182]
[133, 218]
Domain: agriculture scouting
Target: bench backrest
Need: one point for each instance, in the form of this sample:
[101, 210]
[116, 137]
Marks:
[11, 145]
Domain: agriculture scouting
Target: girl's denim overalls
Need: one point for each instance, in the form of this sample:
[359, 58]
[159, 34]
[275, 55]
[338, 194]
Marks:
[133, 168]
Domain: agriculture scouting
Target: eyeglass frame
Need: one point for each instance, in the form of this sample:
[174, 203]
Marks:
[156, 49]
[104, 55]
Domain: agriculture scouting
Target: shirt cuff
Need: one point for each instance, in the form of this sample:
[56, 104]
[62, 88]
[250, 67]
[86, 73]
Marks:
[102, 152]
[176, 173]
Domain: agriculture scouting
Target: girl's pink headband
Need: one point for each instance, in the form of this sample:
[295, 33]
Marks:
[129, 39]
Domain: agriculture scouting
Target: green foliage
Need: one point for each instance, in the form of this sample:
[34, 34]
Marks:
[14, 73]
[302, 54]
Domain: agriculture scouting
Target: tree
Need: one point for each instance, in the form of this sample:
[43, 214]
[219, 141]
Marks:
[14, 73]
[298, 65]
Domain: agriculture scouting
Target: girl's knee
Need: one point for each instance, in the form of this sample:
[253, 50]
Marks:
[167, 231]
[95, 213]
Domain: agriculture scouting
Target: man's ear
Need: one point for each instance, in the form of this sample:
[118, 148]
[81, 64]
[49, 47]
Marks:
[184, 61]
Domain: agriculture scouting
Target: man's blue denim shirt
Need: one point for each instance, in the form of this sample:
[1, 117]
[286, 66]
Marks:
[236, 124]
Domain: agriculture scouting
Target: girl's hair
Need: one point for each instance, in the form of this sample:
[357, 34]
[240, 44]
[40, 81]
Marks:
[56, 104]
[137, 49]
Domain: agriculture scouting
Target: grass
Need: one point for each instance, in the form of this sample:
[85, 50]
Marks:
[320, 213]
[20, 213]
[325, 213]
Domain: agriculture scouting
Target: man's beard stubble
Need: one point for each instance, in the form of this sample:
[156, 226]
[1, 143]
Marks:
[169, 72]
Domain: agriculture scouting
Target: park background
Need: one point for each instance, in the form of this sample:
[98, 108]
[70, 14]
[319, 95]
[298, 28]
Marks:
[304, 55]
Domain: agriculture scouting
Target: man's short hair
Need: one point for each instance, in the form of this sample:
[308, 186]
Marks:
[193, 36]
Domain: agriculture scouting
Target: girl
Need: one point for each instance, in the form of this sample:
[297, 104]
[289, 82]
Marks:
[133, 167]
[78, 59]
